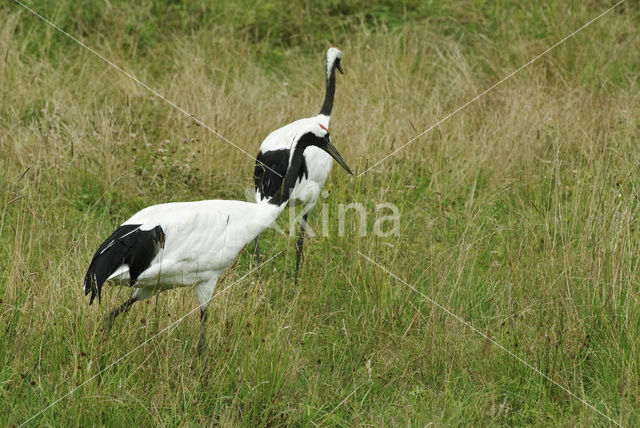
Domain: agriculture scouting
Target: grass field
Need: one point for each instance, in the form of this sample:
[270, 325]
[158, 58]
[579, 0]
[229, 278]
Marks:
[519, 214]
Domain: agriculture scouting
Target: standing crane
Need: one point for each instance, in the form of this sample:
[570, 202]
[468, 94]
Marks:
[275, 154]
[184, 244]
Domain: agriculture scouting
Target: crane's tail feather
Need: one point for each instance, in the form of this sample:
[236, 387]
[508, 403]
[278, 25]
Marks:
[127, 245]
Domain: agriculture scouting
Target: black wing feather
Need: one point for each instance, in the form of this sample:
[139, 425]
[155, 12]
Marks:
[270, 170]
[127, 245]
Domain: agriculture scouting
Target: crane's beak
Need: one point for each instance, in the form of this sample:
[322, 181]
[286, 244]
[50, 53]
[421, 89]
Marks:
[330, 148]
[339, 67]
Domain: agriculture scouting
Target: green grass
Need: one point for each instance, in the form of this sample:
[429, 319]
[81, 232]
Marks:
[518, 214]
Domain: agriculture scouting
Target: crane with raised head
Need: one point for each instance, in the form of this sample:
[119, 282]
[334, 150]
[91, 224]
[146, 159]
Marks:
[275, 154]
[190, 244]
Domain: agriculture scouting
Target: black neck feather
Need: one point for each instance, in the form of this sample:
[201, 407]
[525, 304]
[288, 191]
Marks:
[293, 170]
[327, 106]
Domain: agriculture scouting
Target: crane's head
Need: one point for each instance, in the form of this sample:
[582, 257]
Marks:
[317, 135]
[334, 56]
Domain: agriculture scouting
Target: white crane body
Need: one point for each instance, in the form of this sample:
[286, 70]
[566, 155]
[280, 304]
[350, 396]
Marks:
[201, 239]
[182, 244]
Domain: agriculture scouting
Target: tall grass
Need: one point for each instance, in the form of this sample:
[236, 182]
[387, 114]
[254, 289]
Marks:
[519, 214]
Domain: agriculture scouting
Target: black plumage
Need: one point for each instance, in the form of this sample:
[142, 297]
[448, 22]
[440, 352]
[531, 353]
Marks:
[268, 166]
[127, 245]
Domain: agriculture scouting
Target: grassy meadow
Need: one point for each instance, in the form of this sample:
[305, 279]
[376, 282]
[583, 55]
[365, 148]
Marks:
[520, 214]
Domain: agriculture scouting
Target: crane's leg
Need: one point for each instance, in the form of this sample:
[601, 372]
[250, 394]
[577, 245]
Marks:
[202, 345]
[111, 317]
[138, 294]
[204, 293]
[300, 245]
[258, 258]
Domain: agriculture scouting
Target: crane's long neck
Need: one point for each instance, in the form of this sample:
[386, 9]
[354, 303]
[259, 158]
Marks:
[291, 176]
[327, 106]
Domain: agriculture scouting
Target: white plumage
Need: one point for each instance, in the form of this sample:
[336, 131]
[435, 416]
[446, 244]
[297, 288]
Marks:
[184, 244]
[202, 239]
[318, 163]
[275, 152]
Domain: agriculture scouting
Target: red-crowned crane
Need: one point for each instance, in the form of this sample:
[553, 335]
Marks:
[274, 157]
[190, 244]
